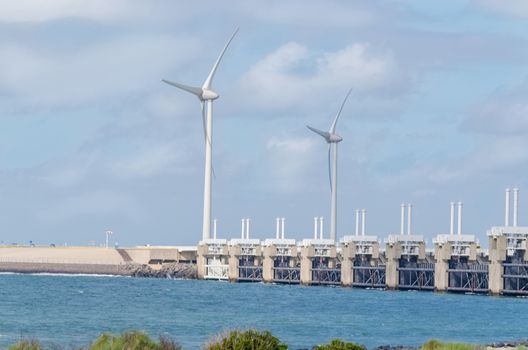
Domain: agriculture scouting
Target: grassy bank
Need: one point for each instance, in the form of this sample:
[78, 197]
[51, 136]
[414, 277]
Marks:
[234, 340]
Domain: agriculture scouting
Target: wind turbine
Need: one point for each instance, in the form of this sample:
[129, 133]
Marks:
[206, 95]
[332, 138]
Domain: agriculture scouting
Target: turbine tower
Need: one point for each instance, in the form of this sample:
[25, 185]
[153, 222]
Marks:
[206, 95]
[332, 138]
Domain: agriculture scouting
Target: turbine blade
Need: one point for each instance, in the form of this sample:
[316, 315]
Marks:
[324, 134]
[193, 90]
[333, 127]
[329, 166]
[209, 80]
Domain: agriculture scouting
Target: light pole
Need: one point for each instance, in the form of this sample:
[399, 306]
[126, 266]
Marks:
[108, 234]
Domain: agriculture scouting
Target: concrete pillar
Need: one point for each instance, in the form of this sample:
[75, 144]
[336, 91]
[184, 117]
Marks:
[306, 265]
[201, 261]
[268, 264]
[515, 206]
[452, 220]
[393, 255]
[347, 256]
[497, 255]
[234, 254]
[507, 208]
[409, 219]
[421, 251]
[402, 220]
[459, 226]
[442, 257]
[363, 221]
[375, 251]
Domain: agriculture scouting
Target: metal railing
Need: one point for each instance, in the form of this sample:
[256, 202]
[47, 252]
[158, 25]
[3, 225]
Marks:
[469, 278]
[515, 278]
[416, 276]
[220, 272]
[326, 276]
[369, 276]
[287, 274]
[250, 273]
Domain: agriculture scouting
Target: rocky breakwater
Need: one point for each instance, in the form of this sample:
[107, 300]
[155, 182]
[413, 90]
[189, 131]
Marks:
[171, 270]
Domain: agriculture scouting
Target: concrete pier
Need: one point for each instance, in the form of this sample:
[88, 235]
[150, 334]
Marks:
[459, 267]
[361, 263]
[245, 260]
[213, 259]
[408, 267]
[455, 265]
[508, 269]
[319, 262]
[282, 261]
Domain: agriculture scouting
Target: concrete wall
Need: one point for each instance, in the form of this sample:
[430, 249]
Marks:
[63, 255]
[101, 269]
[142, 255]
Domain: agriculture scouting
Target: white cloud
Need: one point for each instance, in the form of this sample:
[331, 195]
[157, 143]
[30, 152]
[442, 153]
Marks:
[70, 172]
[289, 161]
[504, 112]
[150, 161]
[41, 11]
[275, 82]
[310, 14]
[517, 8]
[94, 203]
[107, 70]
[501, 153]
[493, 158]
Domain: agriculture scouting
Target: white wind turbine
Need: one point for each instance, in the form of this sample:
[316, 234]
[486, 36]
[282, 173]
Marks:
[206, 96]
[332, 138]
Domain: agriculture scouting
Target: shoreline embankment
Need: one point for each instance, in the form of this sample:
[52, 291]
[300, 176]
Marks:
[91, 269]
[161, 262]
[169, 270]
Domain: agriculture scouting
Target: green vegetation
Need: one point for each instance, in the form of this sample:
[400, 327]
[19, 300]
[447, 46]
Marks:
[247, 340]
[26, 345]
[438, 345]
[126, 341]
[234, 340]
[131, 341]
[338, 344]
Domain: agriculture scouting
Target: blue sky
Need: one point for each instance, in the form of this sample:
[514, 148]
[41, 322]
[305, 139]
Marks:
[90, 139]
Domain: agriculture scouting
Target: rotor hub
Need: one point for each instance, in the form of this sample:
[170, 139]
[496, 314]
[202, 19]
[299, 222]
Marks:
[335, 138]
[209, 95]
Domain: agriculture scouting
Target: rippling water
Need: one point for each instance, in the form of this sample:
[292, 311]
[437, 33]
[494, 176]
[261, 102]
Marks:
[72, 310]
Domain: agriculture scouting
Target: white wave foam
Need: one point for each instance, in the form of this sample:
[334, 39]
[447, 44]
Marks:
[72, 274]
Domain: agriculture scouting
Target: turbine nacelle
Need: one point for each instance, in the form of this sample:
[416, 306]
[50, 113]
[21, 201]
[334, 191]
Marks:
[329, 137]
[203, 94]
[334, 138]
[208, 95]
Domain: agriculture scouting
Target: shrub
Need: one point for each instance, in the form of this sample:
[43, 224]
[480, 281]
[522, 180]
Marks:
[338, 344]
[26, 345]
[246, 340]
[435, 344]
[168, 344]
[132, 341]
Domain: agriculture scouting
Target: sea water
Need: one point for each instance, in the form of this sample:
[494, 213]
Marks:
[73, 310]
